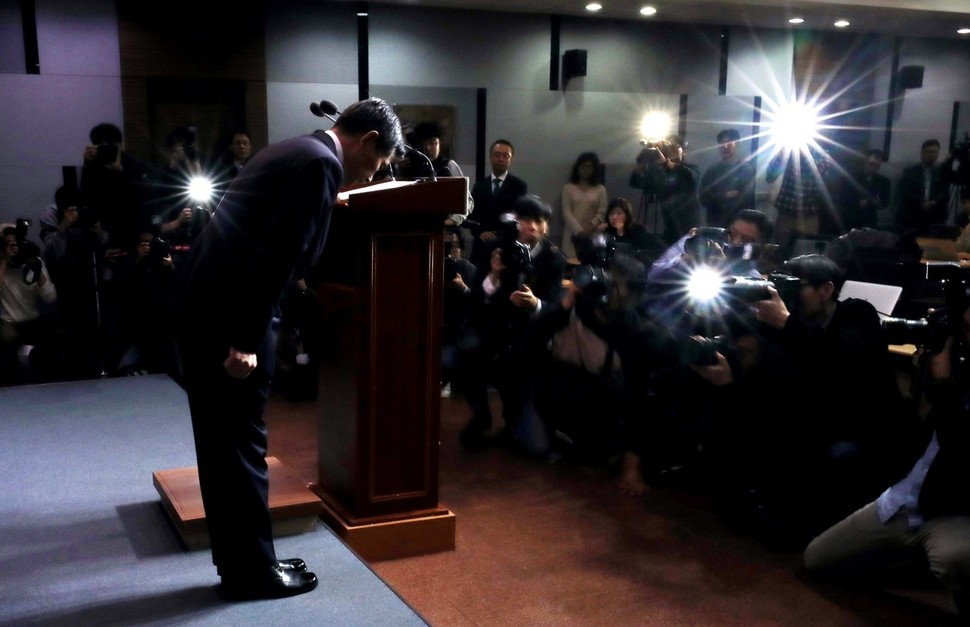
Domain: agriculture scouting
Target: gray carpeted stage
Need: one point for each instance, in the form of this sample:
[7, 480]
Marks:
[84, 539]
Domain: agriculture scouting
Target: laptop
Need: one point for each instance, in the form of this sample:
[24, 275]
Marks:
[882, 297]
[938, 249]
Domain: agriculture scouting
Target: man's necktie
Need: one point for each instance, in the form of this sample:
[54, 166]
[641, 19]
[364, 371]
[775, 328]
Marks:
[496, 185]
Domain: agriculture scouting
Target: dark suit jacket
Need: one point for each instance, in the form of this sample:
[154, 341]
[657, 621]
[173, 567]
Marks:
[488, 209]
[269, 227]
[911, 218]
[873, 188]
[494, 322]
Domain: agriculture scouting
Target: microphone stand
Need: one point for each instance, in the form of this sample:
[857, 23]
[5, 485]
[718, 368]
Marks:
[97, 312]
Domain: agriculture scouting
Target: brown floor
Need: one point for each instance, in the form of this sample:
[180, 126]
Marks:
[557, 544]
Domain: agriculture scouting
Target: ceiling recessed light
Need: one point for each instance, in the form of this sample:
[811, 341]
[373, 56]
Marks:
[964, 31]
[796, 20]
[841, 23]
[594, 6]
[648, 11]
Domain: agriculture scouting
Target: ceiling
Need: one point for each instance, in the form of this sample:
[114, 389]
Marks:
[912, 18]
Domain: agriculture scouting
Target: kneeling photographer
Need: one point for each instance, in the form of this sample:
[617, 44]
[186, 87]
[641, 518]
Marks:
[524, 275]
[922, 521]
[604, 362]
[829, 420]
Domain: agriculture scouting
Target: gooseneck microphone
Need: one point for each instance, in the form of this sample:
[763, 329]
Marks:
[325, 109]
[425, 158]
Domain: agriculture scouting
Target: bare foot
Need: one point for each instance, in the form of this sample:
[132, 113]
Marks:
[631, 480]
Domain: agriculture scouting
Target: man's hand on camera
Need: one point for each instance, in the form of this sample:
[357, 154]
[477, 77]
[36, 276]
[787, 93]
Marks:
[718, 374]
[488, 236]
[524, 298]
[239, 365]
[772, 311]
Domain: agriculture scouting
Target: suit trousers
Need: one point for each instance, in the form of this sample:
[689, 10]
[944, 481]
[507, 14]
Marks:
[863, 549]
[231, 444]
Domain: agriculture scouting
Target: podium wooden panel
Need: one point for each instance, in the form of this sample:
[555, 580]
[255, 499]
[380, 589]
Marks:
[292, 505]
[380, 284]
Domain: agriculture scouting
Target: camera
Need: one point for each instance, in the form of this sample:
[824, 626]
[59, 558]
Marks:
[28, 253]
[701, 351]
[159, 249]
[750, 290]
[707, 243]
[516, 256]
[932, 331]
[107, 153]
[592, 277]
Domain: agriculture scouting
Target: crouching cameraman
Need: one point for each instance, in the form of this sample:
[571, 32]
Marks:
[605, 362]
[925, 516]
[524, 275]
[826, 432]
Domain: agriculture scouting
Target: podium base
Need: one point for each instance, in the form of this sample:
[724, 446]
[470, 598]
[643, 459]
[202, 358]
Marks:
[293, 506]
[390, 537]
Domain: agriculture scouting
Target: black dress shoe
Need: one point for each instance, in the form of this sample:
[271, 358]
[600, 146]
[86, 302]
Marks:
[275, 583]
[295, 565]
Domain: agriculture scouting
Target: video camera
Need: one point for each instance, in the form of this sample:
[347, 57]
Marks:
[654, 152]
[932, 331]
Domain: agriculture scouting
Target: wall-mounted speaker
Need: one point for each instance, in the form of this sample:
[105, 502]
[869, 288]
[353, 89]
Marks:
[573, 64]
[910, 77]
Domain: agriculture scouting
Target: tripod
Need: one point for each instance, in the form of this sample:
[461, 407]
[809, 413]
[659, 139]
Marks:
[649, 200]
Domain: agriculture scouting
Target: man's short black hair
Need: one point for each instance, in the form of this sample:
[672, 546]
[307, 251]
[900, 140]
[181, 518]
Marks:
[816, 269]
[426, 130]
[758, 218]
[531, 206]
[374, 114]
[930, 142]
[105, 133]
[504, 142]
[728, 134]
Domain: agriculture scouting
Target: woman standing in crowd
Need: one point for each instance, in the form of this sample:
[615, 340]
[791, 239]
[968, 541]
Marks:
[583, 200]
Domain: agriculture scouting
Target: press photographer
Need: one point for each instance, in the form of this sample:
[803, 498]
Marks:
[26, 296]
[922, 520]
[604, 385]
[825, 434]
[671, 183]
[524, 275]
[705, 254]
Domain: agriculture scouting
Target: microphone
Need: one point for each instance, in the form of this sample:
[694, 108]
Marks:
[325, 109]
[427, 161]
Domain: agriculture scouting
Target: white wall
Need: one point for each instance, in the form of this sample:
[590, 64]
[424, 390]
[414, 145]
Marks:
[46, 118]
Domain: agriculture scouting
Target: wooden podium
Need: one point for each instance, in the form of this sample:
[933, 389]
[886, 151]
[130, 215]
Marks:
[380, 284]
